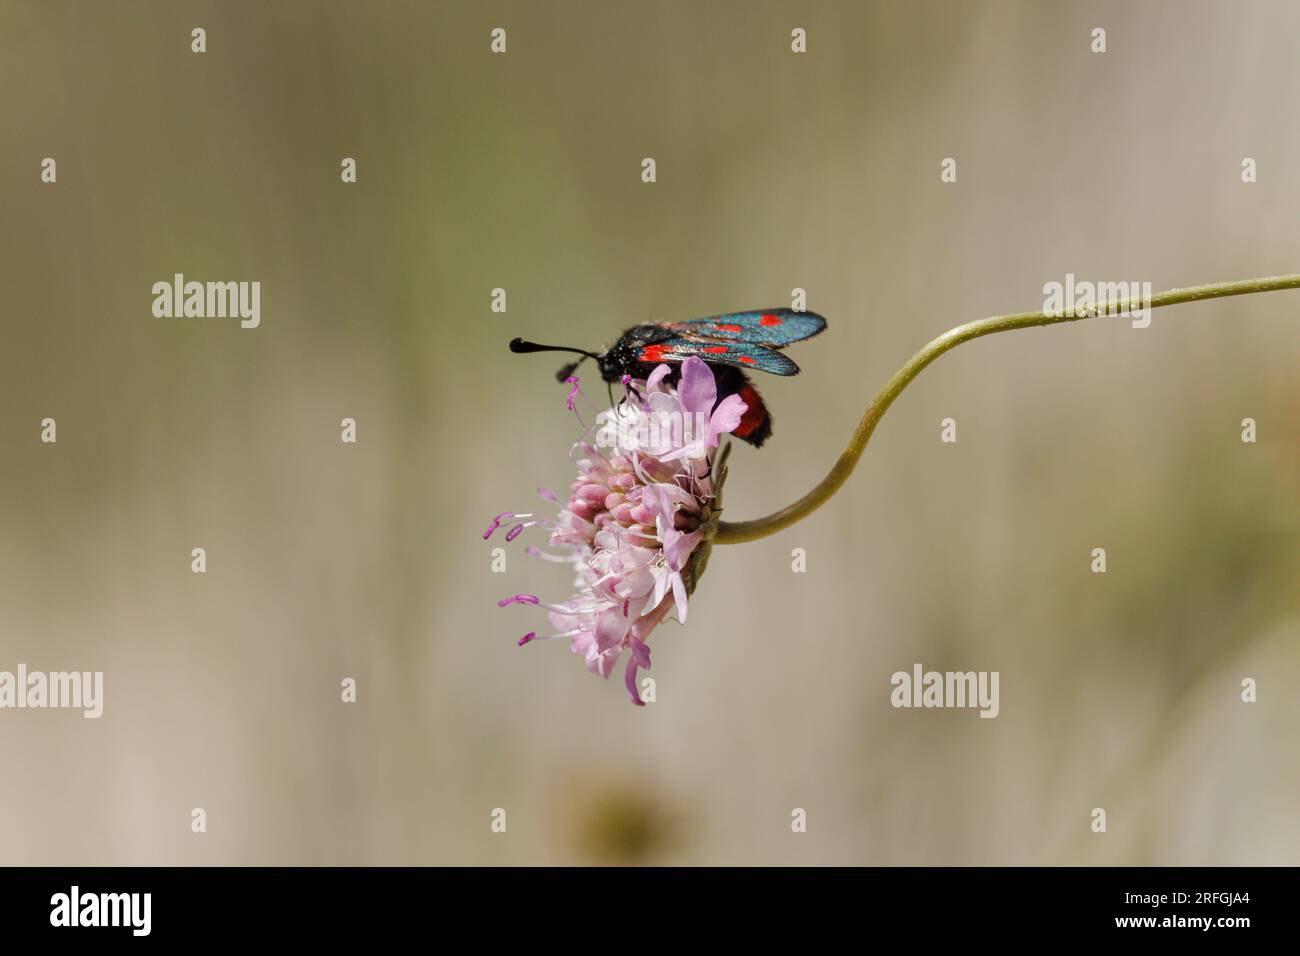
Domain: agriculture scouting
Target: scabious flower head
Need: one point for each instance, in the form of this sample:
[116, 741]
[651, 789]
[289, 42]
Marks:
[638, 518]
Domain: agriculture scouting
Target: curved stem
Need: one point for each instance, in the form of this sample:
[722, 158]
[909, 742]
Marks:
[730, 532]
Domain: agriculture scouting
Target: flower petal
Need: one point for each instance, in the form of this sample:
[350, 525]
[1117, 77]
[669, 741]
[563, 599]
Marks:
[697, 390]
[678, 547]
[679, 595]
[629, 680]
[611, 628]
[726, 417]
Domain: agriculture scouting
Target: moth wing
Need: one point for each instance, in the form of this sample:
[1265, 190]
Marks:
[744, 355]
[774, 328]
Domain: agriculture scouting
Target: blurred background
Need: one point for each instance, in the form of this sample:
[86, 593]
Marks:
[522, 171]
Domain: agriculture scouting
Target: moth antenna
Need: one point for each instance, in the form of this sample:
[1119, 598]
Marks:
[519, 346]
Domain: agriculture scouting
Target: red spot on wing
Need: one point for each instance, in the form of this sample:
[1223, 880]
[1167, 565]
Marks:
[755, 412]
[652, 353]
[746, 359]
[769, 320]
[716, 348]
[728, 327]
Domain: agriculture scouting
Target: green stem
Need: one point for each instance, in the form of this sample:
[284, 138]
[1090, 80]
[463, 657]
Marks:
[730, 532]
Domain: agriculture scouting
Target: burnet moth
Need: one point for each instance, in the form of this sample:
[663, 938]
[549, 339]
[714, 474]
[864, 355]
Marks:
[730, 344]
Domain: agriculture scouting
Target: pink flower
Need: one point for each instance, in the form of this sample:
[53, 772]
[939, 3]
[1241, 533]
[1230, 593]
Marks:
[635, 527]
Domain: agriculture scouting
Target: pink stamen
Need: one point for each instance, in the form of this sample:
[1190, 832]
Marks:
[548, 494]
[573, 392]
[520, 599]
[496, 523]
[526, 638]
[534, 552]
[514, 532]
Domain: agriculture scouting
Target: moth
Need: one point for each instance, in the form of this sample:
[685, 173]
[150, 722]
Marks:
[730, 344]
